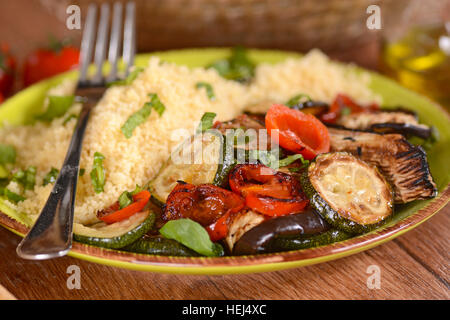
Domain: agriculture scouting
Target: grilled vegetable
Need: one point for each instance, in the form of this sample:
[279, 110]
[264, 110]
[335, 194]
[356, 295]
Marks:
[259, 238]
[120, 211]
[240, 224]
[349, 194]
[344, 105]
[116, 235]
[386, 121]
[208, 164]
[404, 166]
[160, 246]
[284, 243]
[208, 205]
[267, 191]
[298, 132]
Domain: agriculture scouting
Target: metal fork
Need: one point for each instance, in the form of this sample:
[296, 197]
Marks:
[51, 235]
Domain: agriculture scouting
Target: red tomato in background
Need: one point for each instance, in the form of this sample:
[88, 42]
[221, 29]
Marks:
[7, 71]
[44, 63]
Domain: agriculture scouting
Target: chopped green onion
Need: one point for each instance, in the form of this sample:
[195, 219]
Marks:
[7, 154]
[12, 196]
[142, 114]
[26, 178]
[98, 173]
[128, 80]
[192, 235]
[209, 90]
[206, 122]
[51, 176]
[57, 107]
[297, 99]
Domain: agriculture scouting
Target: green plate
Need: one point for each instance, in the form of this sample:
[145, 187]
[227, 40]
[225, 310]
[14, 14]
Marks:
[20, 108]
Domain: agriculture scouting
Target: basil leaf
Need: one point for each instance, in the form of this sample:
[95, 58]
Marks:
[82, 171]
[295, 100]
[98, 173]
[141, 115]
[192, 235]
[57, 107]
[51, 176]
[206, 122]
[128, 80]
[7, 154]
[209, 89]
[26, 178]
[125, 199]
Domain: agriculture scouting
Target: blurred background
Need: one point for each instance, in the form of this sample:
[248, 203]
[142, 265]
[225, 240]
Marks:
[412, 45]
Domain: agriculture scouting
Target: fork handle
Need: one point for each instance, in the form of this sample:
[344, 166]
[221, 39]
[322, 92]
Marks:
[51, 234]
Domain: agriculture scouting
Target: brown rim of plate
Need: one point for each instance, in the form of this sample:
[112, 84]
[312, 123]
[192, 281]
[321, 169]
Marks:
[359, 242]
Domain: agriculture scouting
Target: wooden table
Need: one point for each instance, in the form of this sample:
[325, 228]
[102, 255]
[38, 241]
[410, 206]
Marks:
[413, 266]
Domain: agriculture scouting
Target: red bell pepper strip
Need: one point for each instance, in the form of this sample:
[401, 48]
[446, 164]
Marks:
[298, 132]
[140, 200]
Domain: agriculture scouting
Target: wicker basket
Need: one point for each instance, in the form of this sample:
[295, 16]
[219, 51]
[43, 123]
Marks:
[331, 25]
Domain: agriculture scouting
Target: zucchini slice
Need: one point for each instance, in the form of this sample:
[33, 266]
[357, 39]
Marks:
[308, 241]
[160, 246]
[349, 194]
[200, 159]
[116, 235]
[404, 166]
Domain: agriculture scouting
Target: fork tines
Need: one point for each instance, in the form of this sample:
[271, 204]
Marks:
[101, 42]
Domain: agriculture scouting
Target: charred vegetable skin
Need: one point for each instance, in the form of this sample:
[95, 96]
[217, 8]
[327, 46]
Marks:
[404, 166]
[359, 201]
[387, 121]
[267, 191]
[208, 205]
[261, 238]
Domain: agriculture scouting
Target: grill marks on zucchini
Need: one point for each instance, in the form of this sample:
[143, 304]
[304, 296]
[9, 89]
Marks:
[348, 193]
[404, 165]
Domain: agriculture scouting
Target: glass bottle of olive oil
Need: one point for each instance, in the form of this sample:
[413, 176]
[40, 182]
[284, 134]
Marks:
[420, 60]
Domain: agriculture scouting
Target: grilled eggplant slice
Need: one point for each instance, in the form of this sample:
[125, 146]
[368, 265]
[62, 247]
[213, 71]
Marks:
[403, 165]
[241, 223]
[349, 194]
[386, 121]
[260, 238]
